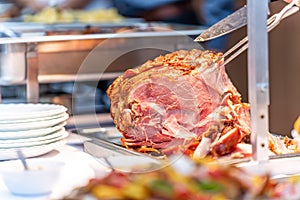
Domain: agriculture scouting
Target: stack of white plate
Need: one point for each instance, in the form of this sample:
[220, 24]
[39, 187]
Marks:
[34, 128]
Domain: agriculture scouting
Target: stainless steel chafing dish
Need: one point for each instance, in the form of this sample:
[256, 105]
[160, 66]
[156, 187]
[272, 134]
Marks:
[41, 53]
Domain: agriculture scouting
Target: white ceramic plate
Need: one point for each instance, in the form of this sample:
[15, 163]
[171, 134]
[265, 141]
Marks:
[33, 125]
[62, 135]
[7, 135]
[29, 152]
[28, 120]
[25, 111]
[35, 139]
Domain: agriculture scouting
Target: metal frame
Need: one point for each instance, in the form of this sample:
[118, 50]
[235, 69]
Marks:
[258, 78]
[32, 70]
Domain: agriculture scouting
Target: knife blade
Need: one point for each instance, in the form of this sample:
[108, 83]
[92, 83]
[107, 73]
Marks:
[230, 23]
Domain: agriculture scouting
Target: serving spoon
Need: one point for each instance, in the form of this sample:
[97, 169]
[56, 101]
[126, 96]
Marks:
[22, 158]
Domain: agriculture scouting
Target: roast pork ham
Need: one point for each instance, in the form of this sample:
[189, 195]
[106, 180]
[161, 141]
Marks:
[182, 101]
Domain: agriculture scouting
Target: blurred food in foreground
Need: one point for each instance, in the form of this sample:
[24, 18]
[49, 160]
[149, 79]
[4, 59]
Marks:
[56, 15]
[204, 181]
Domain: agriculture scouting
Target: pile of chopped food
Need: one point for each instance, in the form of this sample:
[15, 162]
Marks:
[204, 182]
[183, 102]
[57, 15]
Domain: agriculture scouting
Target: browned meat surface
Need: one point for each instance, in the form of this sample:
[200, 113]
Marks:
[179, 100]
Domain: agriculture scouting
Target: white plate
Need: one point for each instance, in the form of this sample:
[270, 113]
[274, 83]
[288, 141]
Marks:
[28, 120]
[29, 152]
[62, 135]
[30, 133]
[34, 139]
[25, 111]
[33, 125]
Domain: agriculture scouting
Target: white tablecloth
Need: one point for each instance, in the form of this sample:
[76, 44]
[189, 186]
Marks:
[79, 168]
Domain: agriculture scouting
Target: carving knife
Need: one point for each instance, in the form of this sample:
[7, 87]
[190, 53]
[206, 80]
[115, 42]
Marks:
[230, 23]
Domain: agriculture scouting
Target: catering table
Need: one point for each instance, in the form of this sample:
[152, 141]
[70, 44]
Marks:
[78, 169]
